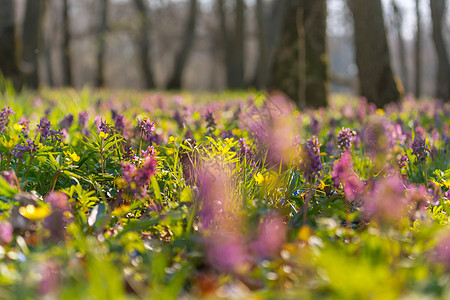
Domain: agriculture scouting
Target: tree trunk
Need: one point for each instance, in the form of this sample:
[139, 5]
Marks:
[185, 50]
[300, 63]
[48, 34]
[233, 44]
[438, 8]
[30, 42]
[236, 74]
[8, 52]
[418, 52]
[143, 42]
[260, 76]
[398, 22]
[66, 57]
[376, 78]
[101, 38]
[269, 31]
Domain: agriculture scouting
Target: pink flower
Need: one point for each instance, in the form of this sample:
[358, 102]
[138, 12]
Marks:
[387, 203]
[6, 232]
[272, 234]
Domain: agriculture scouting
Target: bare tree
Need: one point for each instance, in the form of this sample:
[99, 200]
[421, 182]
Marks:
[418, 52]
[300, 65]
[376, 78]
[438, 8]
[143, 41]
[31, 37]
[269, 24]
[186, 47]
[233, 43]
[398, 24]
[47, 38]
[8, 52]
[101, 38]
[67, 57]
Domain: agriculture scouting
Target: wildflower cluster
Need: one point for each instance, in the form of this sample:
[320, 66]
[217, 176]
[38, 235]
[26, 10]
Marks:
[252, 206]
[44, 128]
[420, 149]
[137, 176]
[146, 127]
[345, 139]
[311, 162]
[5, 114]
[28, 146]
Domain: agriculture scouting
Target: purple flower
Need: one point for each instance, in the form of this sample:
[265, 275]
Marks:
[146, 127]
[44, 128]
[442, 251]
[25, 127]
[226, 252]
[244, 150]
[51, 277]
[343, 174]
[376, 138]
[10, 177]
[66, 122]
[24, 147]
[149, 151]
[55, 223]
[105, 127]
[315, 126]
[45, 131]
[210, 121]
[419, 196]
[345, 139]
[179, 119]
[5, 114]
[404, 160]
[387, 204]
[138, 177]
[311, 163]
[272, 233]
[420, 148]
[129, 153]
[83, 118]
[119, 123]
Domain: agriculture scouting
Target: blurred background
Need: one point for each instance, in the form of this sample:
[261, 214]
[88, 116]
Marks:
[228, 44]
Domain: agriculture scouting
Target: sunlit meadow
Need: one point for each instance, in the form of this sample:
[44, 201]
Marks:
[117, 195]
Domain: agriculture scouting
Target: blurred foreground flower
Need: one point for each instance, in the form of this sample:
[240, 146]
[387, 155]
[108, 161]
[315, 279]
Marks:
[387, 203]
[271, 236]
[343, 174]
[6, 232]
[34, 213]
[274, 128]
[57, 220]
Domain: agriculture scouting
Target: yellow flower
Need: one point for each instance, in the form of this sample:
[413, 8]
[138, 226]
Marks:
[236, 131]
[171, 140]
[259, 178]
[380, 111]
[34, 213]
[18, 127]
[103, 135]
[169, 152]
[74, 156]
[229, 140]
[304, 233]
